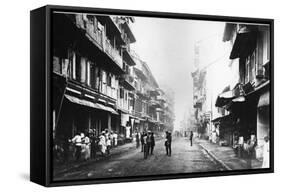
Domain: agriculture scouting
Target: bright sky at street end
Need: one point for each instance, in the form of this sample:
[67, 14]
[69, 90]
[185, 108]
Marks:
[167, 45]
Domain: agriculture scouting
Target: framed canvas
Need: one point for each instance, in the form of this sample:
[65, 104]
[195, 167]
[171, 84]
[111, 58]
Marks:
[122, 95]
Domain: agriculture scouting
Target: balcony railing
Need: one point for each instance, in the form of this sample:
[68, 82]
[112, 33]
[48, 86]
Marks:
[129, 78]
[99, 37]
[137, 113]
[123, 104]
[113, 53]
[118, 23]
[154, 102]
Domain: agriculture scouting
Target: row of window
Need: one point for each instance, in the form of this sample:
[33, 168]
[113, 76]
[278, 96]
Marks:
[94, 27]
[84, 71]
[88, 73]
[253, 65]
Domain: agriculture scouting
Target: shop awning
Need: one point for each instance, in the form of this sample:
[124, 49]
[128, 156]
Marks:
[238, 99]
[90, 104]
[244, 45]
[227, 119]
[224, 98]
[216, 120]
[236, 95]
[106, 108]
[264, 99]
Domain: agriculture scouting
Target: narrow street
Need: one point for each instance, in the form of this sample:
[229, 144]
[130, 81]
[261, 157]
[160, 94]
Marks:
[184, 159]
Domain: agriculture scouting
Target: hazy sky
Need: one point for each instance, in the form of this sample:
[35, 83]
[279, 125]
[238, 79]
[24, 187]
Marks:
[167, 45]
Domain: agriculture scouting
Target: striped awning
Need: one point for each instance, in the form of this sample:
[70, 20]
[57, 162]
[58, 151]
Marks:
[90, 104]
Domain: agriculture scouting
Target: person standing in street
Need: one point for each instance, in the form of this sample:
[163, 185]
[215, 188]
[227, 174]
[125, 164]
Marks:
[93, 140]
[142, 142]
[191, 137]
[148, 141]
[108, 144]
[77, 140]
[145, 147]
[250, 149]
[128, 132]
[115, 139]
[137, 139]
[168, 143]
[111, 139]
[152, 143]
[265, 162]
[102, 143]
[86, 148]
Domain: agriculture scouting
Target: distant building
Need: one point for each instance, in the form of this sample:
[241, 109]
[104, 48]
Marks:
[213, 71]
[153, 106]
[199, 102]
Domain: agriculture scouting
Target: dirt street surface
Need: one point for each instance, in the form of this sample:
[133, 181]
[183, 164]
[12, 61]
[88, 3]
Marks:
[184, 159]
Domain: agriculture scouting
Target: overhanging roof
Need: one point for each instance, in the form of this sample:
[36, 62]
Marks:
[90, 104]
[244, 45]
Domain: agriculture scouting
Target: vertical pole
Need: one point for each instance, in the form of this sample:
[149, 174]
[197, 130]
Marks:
[54, 124]
[109, 121]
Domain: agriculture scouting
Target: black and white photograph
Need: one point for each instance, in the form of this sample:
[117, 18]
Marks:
[135, 96]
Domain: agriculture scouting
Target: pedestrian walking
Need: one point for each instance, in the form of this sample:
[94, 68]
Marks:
[128, 132]
[108, 144]
[265, 162]
[111, 139]
[168, 143]
[102, 143]
[148, 141]
[191, 137]
[145, 147]
[93, 141]
[152, 143]
[142, 141]
[77, 141]
[85, 148]
[249, 148]
[137, 140]
[106, 134]
[115, 139]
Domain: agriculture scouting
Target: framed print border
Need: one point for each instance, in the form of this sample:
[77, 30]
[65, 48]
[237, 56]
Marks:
[41, 156]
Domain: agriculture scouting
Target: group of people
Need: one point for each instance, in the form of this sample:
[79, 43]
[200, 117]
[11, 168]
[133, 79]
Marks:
[87, 145]
[247, 149]
[146, 141]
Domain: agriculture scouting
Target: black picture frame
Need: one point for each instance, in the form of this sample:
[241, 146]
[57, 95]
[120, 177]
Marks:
[40, 93]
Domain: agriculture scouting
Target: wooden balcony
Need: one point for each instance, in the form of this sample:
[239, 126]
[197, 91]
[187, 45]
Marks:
[99, 38]
[128, 82]
[127, 56]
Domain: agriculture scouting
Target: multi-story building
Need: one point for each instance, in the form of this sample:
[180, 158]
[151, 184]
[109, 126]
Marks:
[199, 100]
[91, 61]
[167, 116]
[96, 82]
[248, 102]
[199, 93]
[213, 71]
[153, 106]
[126, 91]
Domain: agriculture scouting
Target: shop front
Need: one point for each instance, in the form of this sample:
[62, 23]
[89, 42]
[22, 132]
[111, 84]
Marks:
[80, 115]
[263, 120]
